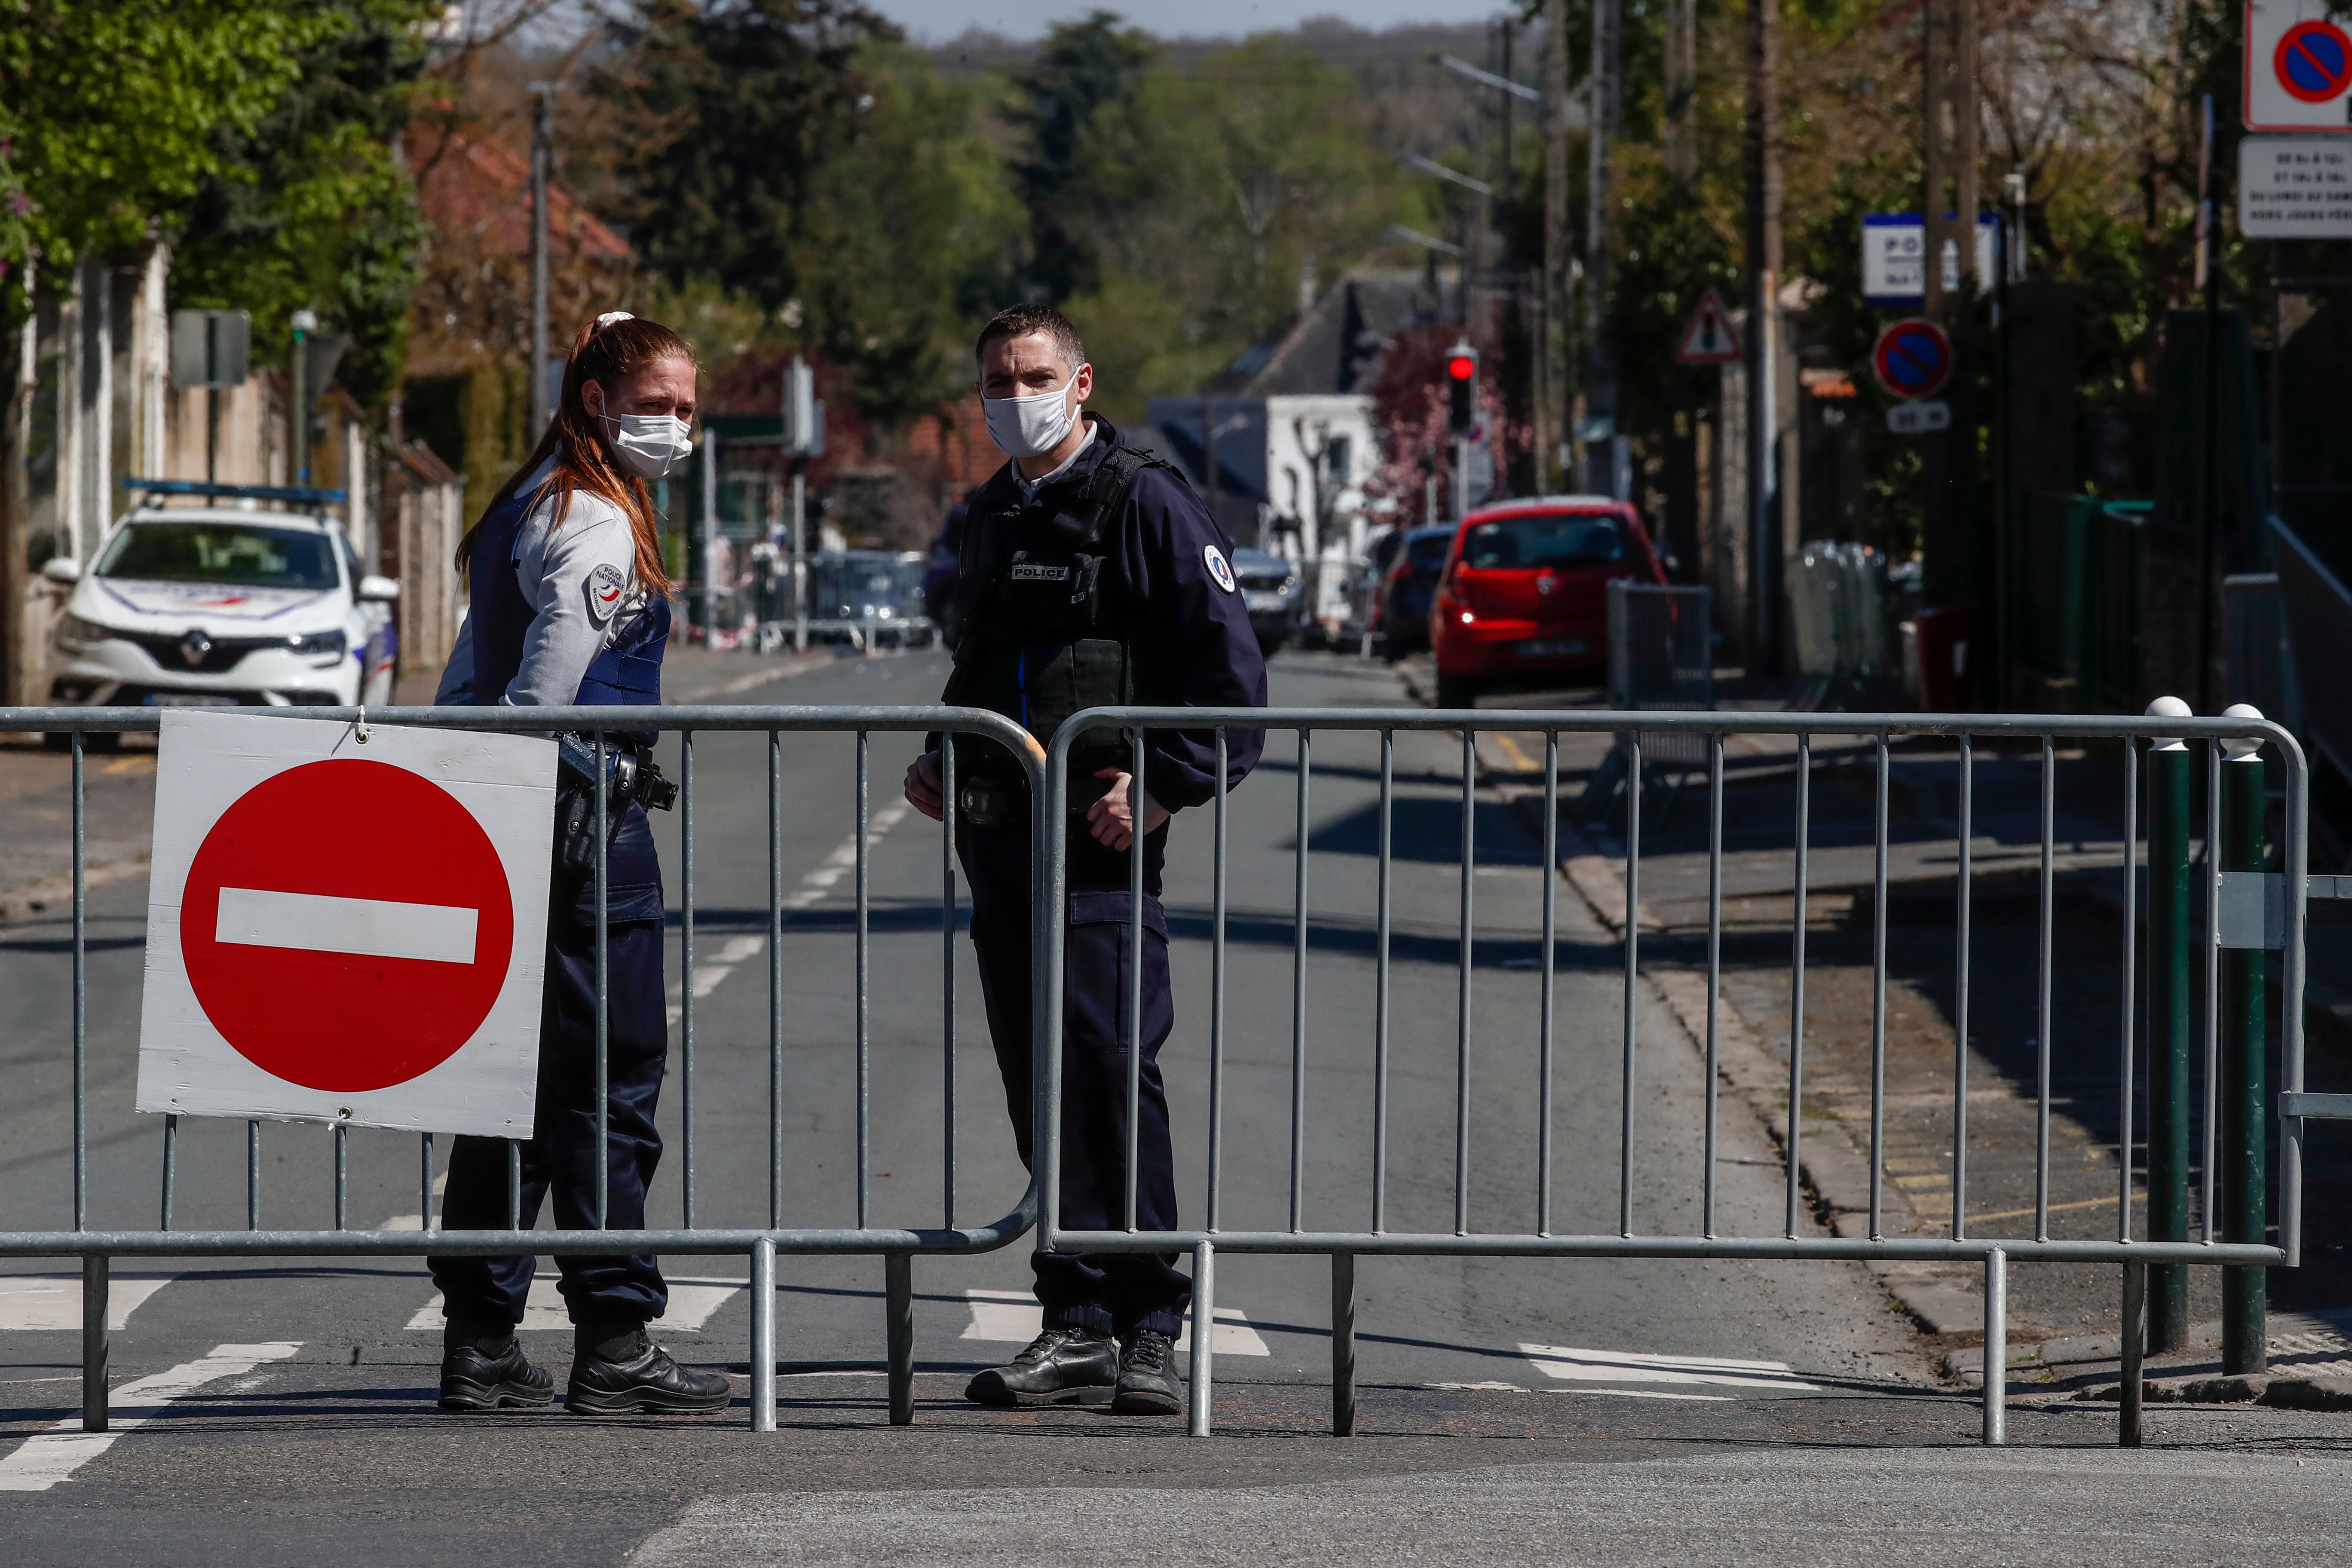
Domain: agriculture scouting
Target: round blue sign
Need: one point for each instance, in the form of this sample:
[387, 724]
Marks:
[1914, 359]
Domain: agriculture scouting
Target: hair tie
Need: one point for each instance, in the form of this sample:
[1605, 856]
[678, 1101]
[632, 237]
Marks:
[609, 317]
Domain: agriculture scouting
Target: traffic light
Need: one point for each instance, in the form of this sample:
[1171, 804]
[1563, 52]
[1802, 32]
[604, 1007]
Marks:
[1461, 387]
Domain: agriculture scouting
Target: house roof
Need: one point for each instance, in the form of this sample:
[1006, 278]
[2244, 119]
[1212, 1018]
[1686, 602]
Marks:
[466, 183]
[1335, 347]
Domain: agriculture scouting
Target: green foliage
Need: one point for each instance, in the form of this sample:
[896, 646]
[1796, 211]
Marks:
[308, 208]
[115, 112]
[1084, 68]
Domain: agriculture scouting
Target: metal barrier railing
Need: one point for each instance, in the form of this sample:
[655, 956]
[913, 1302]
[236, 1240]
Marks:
[760, 1245]
[1206, 1241]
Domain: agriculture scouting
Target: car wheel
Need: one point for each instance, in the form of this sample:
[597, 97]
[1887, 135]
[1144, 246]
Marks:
[92, 740]
[1456, 690]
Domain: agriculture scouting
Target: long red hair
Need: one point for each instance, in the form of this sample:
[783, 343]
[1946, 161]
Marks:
[607, 355]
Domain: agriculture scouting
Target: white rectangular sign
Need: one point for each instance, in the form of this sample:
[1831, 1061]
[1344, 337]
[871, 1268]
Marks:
[2298, 65]
[346, 930]
[2294, 187]
[1893, 257]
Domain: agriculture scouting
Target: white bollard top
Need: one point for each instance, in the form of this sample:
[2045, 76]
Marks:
[2239, 751]
[2169, 708]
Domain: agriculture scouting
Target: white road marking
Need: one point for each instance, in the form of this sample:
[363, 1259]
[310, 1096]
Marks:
[737, 949]
[373, 928]
[1571, 1365]
[1014, 1317]
[52, 1455]
[1597, 1393]
[52, 1302]
[691, 1303]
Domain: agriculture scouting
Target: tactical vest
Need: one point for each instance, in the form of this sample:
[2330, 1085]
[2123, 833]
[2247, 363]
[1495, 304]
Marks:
[1044, 637]
[628, 671]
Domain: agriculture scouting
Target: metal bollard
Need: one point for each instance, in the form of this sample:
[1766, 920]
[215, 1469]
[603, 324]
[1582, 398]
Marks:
[764, 1335]
[2244, 1122]
[1343, 1345]
[2169, 1030]
[1204, 1315]
[898, 1314]
[2135, 1336]
[1996, 1347]
[95, 1341]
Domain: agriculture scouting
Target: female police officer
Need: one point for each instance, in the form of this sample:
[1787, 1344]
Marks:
[569, 606]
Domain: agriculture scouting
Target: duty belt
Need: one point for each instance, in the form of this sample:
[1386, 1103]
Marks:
[1004, 803]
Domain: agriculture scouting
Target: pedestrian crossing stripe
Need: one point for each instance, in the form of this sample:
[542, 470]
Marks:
[1013, 1318]
[1572, 1365]
[51, 1303]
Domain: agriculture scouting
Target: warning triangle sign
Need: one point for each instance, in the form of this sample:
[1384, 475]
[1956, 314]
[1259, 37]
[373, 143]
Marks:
[1710, 337]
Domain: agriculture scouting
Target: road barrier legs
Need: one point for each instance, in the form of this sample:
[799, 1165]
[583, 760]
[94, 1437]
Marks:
[1996, 1347]
[764, 1335]
[94, 1341]
[899, 1307]
[2135, 1338]
[1343, 1345]
[2169, 1037]
[1205, 1334]
[2245, 1141]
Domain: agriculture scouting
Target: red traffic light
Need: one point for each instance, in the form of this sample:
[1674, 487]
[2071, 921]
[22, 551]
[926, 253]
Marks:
[1462, 367]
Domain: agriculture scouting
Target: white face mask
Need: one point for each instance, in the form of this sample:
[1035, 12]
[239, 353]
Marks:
[1031, 427]
[650, 445]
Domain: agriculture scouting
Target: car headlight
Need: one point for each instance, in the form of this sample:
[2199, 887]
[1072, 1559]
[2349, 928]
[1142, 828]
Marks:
[72, 631]
[317, 645]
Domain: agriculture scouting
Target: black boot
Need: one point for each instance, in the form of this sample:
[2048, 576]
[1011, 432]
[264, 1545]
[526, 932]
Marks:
[1147, 1384]
[483, 1368]
[617, 1370]
[1061, 1366]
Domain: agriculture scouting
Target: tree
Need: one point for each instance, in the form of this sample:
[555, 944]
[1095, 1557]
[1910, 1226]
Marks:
[308, 208]
[1084, 68]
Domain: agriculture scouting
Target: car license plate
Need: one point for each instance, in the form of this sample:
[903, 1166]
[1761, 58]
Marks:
[189, 700]
[1261, 598]
[1551, 648]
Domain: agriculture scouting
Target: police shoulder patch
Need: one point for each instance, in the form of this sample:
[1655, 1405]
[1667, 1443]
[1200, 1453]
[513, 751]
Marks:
[606, 585]
[1219, 568]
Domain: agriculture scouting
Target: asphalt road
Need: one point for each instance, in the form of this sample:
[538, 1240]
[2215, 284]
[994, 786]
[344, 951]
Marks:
[262, 1408]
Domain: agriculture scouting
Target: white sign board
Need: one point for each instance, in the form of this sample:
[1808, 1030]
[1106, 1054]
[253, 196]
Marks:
[1918, 416]
[1893, 257]
[2294, 187]
[2298, 61]
[346, 931]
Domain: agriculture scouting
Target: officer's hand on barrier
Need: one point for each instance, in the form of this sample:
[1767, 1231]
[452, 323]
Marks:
[1112, 820]
[923, 786]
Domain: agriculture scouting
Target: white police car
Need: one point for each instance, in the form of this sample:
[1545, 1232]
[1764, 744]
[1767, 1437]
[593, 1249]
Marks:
[198, 606]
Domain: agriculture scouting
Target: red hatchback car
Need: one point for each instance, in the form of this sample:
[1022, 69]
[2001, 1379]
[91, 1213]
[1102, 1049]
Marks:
[1526, 592]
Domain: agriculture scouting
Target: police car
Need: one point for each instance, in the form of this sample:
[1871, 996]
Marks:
[224, 605]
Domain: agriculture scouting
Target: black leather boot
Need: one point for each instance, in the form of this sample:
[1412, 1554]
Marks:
[617, 1370]
[483, 1368]
[1061, 1366]
[1147, 1384]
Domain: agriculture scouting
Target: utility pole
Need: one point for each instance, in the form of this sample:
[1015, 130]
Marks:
[1763, 238]
[543, 153]
[1950, 538]
[1681, 85]
[1599, 359]
[1552, 424]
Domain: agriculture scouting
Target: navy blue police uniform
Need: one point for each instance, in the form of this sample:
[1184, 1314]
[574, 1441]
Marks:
[560, 1157]
[1111, 584]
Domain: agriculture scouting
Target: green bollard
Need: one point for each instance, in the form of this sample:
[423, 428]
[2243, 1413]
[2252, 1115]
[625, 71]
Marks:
[2170, 1029]
[2245, 1154]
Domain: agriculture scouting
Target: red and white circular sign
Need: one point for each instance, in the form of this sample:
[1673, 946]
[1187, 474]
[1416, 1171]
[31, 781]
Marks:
[346, 928]
[326, 956]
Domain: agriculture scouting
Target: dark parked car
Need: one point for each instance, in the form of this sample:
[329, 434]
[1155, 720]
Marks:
[1271, 589]
[1407, 587]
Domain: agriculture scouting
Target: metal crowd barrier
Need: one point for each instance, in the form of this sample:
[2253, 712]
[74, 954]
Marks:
[896, 1246]
[1207, 1241]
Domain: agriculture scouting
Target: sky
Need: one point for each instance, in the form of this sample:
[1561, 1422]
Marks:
[936, 21]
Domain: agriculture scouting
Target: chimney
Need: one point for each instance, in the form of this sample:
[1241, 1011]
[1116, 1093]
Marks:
[1306, 283]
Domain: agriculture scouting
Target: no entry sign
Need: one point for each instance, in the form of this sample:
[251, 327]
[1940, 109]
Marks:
[346, 931]
[2298, 64]
[1914, 359]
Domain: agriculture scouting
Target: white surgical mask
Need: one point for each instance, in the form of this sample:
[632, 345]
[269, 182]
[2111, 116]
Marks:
[650, 445]
[1030, 427]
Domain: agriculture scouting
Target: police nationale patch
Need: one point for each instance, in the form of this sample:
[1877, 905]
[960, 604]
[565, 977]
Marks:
[1219, 568]
[605, 587]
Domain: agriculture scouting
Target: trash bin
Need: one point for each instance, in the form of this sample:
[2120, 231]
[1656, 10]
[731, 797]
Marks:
[1940, 641]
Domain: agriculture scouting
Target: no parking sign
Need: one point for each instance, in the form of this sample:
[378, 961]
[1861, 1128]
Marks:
[344, 930]
[2298, 63]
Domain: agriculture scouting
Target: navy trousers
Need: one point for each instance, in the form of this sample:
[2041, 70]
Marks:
[1104, 1293]
[560, 1158]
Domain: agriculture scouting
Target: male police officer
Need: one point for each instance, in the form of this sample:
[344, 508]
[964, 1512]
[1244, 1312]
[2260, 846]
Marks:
[1088, 574]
